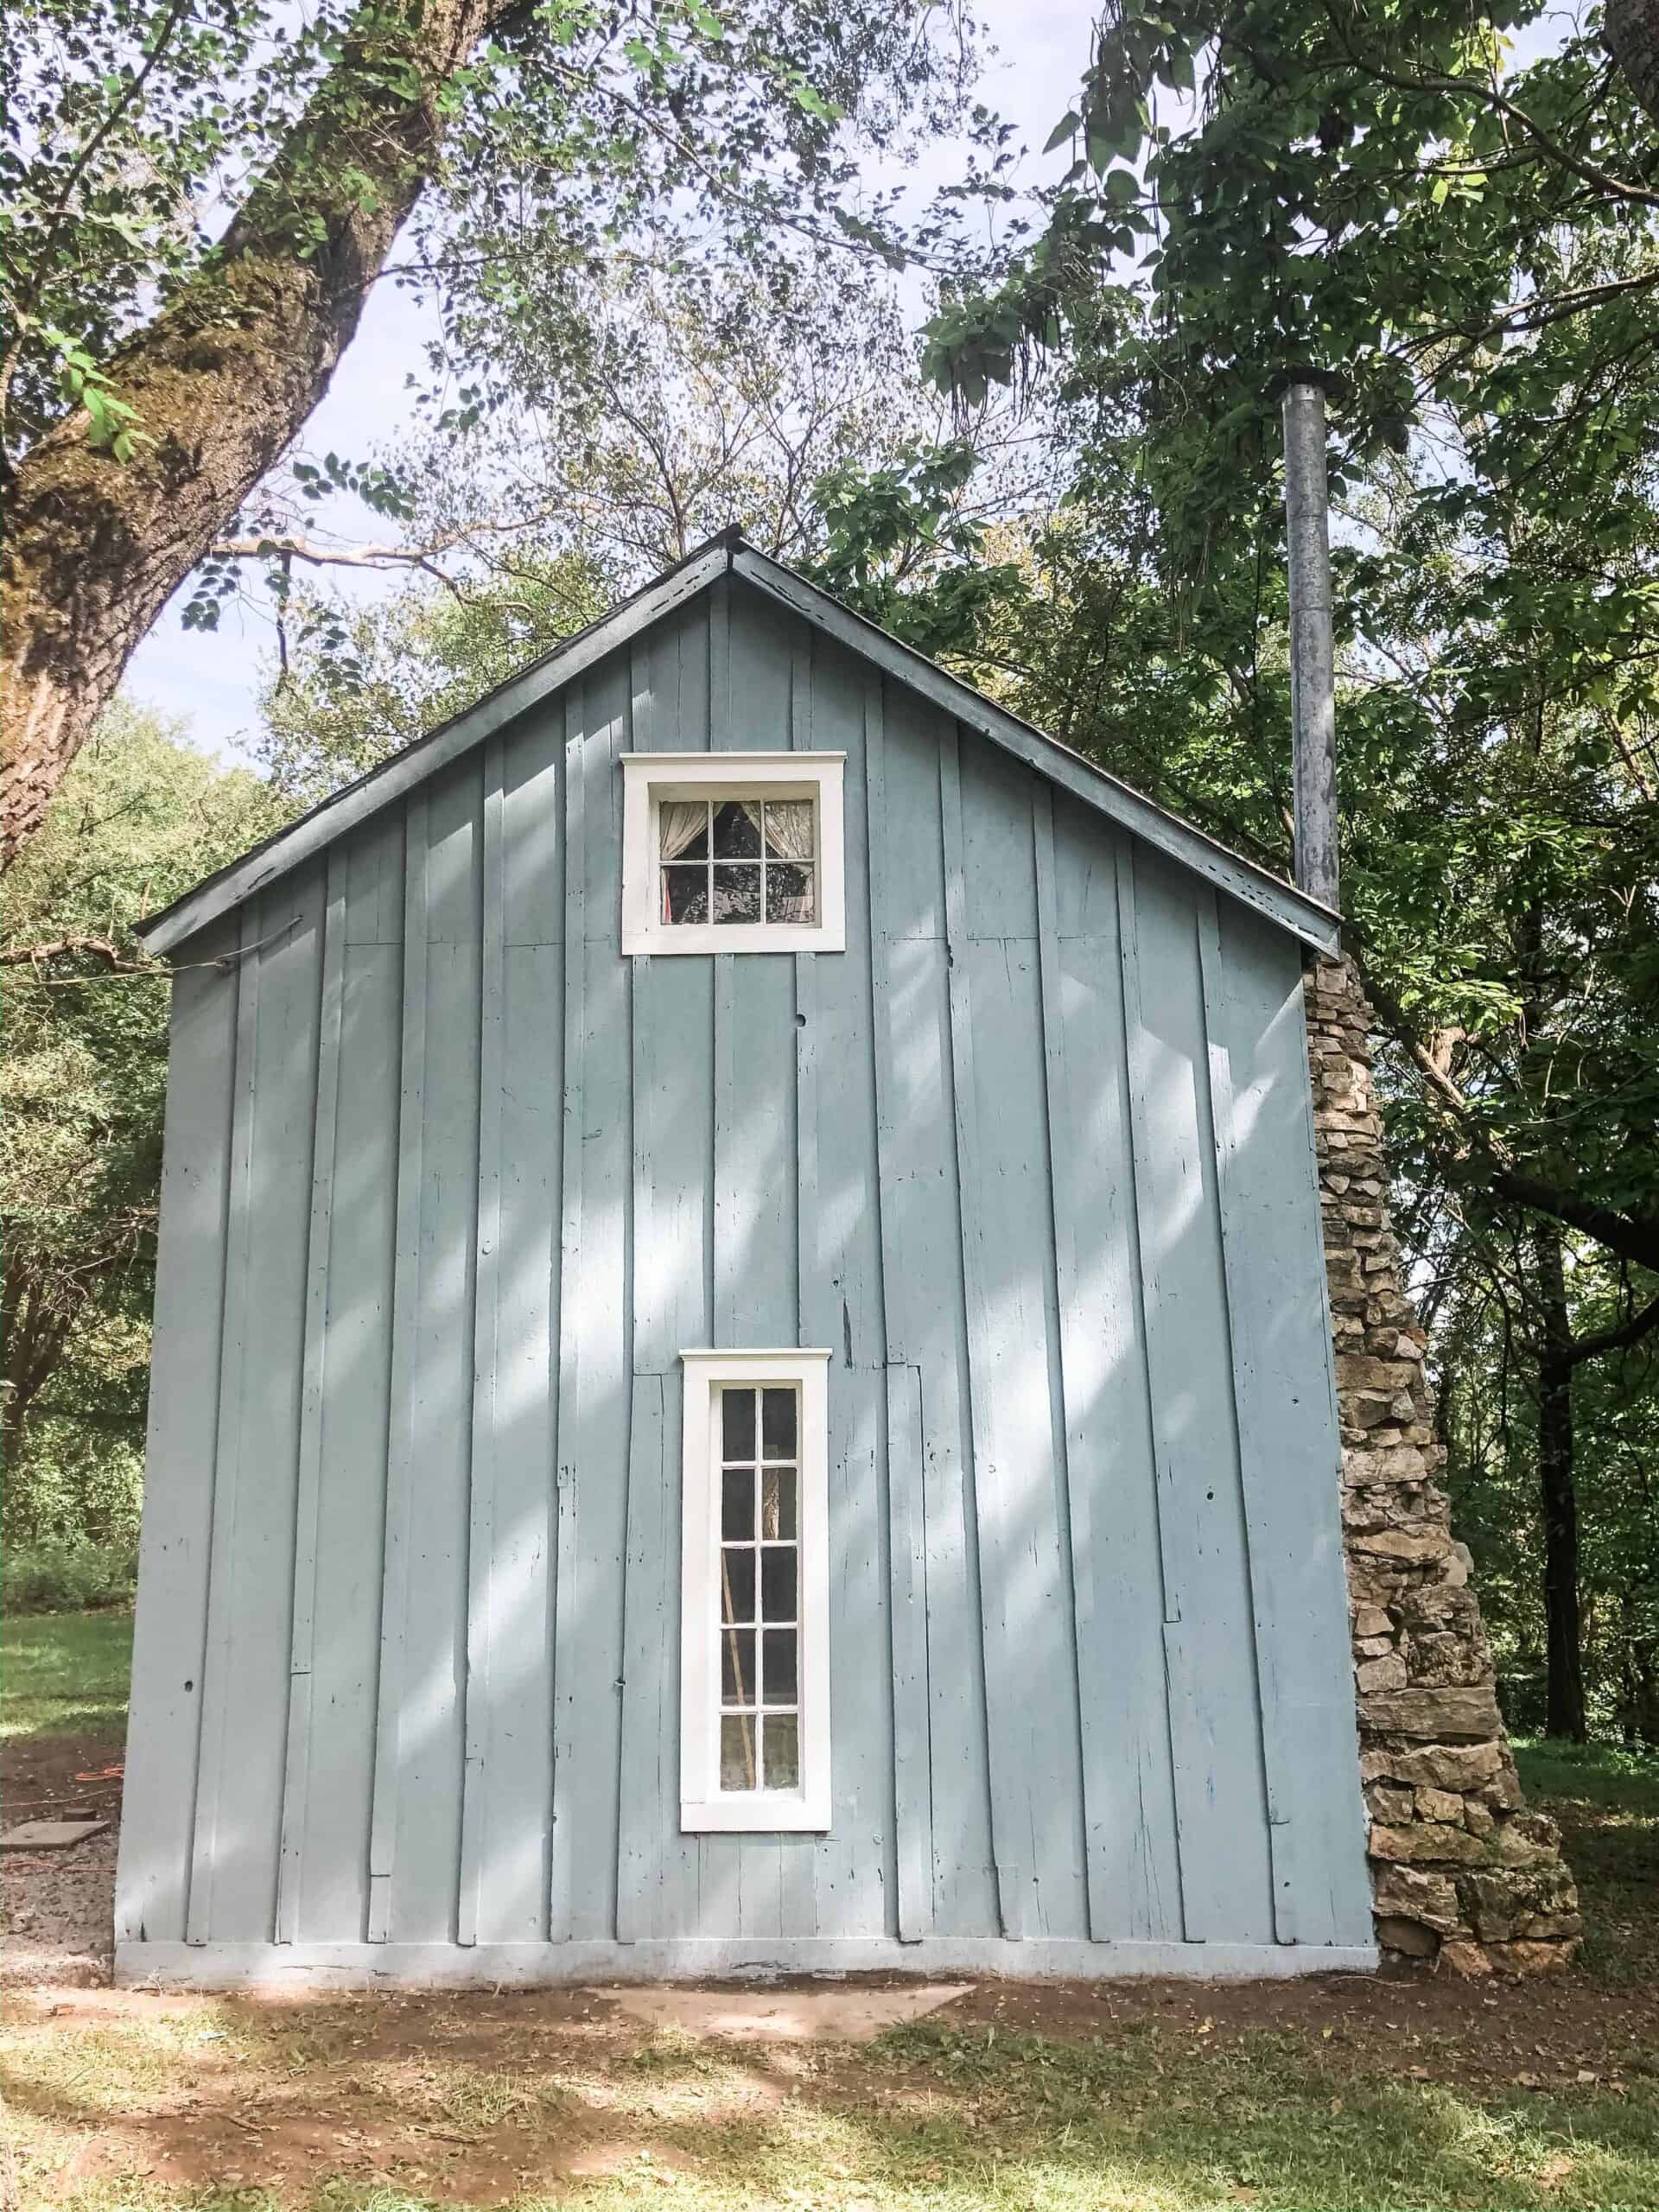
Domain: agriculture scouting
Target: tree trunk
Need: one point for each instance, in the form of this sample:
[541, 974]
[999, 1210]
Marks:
[1564, 1714]
[1629, 30]
[221, 380]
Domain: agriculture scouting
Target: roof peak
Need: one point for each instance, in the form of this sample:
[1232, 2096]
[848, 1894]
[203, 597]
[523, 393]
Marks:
[729, 553]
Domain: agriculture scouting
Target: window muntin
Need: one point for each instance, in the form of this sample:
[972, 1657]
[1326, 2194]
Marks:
[731, 861]
[758, 1597]
[732, 852]
[754, 1598]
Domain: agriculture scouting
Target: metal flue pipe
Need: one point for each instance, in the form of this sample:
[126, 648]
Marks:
[1312, 653]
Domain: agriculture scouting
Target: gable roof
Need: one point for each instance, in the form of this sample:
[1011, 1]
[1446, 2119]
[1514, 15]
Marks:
[730, 555]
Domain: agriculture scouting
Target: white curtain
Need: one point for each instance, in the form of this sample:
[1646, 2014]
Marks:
[789, 828]
[682, 823]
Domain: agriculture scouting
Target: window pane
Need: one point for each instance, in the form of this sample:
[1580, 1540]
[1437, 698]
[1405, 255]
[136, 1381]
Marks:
[737, 892]
[777, 1583]
[737, 1752]
[737, 1424]
[779, 1685]
[778, 1424]
[737, 1505]
[778, 1503]
[737, 1585]
[685, 892]
[783, 1751]
[789, 892]
[789, 828]
[737, 830]
[737, 1668]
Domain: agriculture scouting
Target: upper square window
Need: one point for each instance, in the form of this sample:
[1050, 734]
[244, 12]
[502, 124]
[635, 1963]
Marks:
[733, 853]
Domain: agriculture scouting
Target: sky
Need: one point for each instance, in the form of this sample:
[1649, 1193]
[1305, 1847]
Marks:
[209, 680]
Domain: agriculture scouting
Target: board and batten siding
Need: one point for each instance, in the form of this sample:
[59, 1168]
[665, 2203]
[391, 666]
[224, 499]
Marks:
[450, 1185]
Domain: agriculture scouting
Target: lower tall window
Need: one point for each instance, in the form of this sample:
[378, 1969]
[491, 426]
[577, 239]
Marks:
[754, 1592]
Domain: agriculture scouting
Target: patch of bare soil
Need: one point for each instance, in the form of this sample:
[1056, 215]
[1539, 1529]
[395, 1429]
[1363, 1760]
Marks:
[56, 1907]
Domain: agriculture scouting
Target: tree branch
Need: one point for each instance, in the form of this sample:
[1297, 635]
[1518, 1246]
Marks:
[1476, 1161]
[33, 956]
[1616, 1340]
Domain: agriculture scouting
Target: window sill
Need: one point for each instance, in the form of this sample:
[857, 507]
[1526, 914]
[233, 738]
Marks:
[706, 938]
[754, 1811]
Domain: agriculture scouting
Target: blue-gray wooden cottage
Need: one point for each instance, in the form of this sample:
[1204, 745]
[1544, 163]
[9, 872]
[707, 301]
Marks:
[742, 1371]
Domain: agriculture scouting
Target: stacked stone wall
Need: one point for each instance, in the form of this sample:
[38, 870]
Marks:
[1462, 1872]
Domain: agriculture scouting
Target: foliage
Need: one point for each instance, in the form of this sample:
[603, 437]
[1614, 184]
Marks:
[572, 128]
[789, 409]
[1473, 241]
[356, 682]
[141, 819]
[68, 1577]
[1484, 1366]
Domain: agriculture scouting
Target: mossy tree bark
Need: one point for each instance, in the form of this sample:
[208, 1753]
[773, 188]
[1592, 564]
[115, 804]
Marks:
[1631, 30]
[221, 380]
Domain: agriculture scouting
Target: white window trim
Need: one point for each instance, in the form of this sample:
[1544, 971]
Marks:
[648, 778]
[704, 1805]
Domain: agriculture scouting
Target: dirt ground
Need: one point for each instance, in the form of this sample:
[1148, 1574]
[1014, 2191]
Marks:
[461, 2092]
[55, 1905]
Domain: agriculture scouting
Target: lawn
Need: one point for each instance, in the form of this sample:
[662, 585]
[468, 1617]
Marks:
[64, 1674]
[1343, 2096]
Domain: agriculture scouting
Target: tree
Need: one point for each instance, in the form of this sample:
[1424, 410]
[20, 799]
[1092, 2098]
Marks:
[1478, 250]
[155, 374]
[140, 817]
[788, 406]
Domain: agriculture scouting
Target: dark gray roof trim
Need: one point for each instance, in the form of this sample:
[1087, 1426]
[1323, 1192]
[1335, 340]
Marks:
[1316, 925]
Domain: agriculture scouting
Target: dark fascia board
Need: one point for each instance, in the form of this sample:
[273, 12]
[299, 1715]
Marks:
[1279, 902]
[1316, 925]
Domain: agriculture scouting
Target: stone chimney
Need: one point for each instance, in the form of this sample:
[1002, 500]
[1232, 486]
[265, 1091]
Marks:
[1461, 1871]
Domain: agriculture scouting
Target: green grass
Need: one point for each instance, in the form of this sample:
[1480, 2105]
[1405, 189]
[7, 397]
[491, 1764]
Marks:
[64, 1674]
[1151, 2118]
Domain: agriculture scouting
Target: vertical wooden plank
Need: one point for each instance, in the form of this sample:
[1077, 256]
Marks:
[566, 1655]
[720, 664]
[357, 1399]
[606, 1316]
[643, 1844]
[1135, 1883]
[402, 1443]
[480, 1536]
[170, 1634]
[302, 1632]
[1011, 1848]
[429, 1794]
[227, 1444]
[854, 1873]
[658, 1889]
[725, 1255]
[1019, 1484]
[797, 1870]
[638, 1868]
[928, 1300]
[1289, 1448]
[1220, 1791]
[519, 1282]
[246, 1825]
[1089, 1658]
[912, 1763]
[647, 1823]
